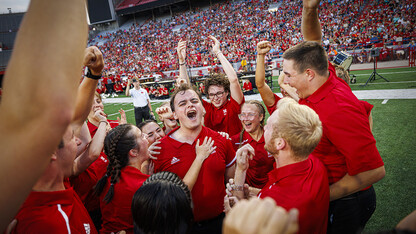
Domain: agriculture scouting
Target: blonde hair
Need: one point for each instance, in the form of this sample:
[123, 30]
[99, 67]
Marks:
[342, 73]
[299, 125]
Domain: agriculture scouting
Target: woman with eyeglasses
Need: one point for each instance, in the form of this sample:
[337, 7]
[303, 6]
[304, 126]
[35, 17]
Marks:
[252, 118]
[224, 92]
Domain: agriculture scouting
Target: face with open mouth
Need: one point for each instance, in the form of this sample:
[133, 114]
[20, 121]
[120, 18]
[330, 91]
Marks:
[188, 109]
[250, 117]
[217, 95]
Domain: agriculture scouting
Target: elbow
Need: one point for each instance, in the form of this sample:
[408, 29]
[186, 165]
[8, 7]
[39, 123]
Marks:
[381, 172]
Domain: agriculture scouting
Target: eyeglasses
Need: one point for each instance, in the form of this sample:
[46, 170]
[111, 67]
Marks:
[247, 116]
[219, 94]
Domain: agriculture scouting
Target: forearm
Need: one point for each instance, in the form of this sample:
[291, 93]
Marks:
[192, 174]
[351, 184]
[93, 151]
[228, 68]
[48, 58]
[150, 105]
[128, 90]
[239, 180]
[311, 27]
[266, 93]
[84, 101]
[183, 74]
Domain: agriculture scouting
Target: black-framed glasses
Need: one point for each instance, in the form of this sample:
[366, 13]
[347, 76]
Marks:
[218, 94]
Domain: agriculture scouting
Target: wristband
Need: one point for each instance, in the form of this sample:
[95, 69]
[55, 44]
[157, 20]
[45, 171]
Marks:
[237, 187]
[104, 121]
[181, 64]
[90, 75]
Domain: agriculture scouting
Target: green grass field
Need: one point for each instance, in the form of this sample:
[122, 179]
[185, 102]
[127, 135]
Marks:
[395, 132]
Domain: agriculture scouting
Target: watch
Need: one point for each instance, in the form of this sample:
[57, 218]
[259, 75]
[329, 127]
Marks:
[90, 75]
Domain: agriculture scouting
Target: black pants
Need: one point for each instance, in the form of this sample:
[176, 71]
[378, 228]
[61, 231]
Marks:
[350, 214]
[141, 113]
[211, 226]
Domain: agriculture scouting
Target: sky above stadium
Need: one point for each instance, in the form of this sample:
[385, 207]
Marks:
[16, 5]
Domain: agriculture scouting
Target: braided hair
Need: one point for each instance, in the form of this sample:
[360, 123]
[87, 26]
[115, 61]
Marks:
[261, 110]
[117, 145]
[163, 198]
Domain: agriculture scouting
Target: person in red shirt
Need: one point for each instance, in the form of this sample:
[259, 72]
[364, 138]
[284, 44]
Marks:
[347, 148]
[299, 180]
[252, 118]
[118, 88]
[225, 94]
[178, 154]
[247, 87]
[126, 148]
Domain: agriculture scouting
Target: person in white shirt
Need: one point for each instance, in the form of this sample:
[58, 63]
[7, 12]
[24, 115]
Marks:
[141, 101]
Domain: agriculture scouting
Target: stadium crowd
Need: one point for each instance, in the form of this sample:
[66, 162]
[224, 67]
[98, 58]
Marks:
[240, 25]
[222, 167]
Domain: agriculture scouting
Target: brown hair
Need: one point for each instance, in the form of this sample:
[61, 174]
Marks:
[219, 80]
[308, 54]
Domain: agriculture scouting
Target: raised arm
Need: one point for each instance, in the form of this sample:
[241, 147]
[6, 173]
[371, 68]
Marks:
[311, 27]
[128, 87]
[94, 147]
[235, 88]
[265, 91]
[47, 60]
[93, 59]
[181, 50]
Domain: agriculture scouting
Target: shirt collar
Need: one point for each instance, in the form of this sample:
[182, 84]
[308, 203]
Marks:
[280, 173]
[324, 90]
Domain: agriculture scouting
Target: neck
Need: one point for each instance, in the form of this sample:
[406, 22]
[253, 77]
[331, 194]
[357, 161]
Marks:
[317, 83]
[187, 135]
[51, 180]
[257, 134]
[285, 158]
[138, 162]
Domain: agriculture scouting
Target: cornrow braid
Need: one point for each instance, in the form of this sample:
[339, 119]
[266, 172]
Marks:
[169, 177]
[117, 144]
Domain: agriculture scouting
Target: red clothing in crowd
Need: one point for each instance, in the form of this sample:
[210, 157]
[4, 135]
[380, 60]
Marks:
[117, 213]
[260, 165]
[225, 118]
[302, 185]
[53, 212]
[209, 189]
[247, 86]
[347, 144]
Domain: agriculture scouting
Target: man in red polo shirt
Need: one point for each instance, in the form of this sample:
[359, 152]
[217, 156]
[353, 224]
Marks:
[347, 148]
[178, 153]
[299, 180]
[225, 94]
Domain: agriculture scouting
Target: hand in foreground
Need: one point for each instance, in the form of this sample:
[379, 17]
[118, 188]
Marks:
[260, 216]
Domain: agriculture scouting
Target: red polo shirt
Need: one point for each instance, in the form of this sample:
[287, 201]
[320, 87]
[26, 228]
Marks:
[273, 107]
[53, 212]
[117, 214]
[302, 185]
[209, 189]
[260, 165]
[225, 118]
[347, 144]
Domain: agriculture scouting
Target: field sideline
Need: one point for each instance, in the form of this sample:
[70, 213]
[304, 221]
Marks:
[395, 133]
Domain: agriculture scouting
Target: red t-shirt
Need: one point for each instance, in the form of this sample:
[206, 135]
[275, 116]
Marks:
[53, 212]
[260, 165]
[117, 214]
[248, 86]
[225, 118]
[209, 189]
[273, 107]
[347, 144]
[302, 185]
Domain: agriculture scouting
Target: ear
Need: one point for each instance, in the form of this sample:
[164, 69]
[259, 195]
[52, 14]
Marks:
[54, 156]
[310, 74]
[133, 153]
[280, 143]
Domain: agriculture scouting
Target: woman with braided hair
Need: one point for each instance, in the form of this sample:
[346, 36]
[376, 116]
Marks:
[252, 118]
[126, 149]
[163, 198]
